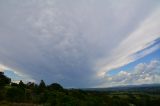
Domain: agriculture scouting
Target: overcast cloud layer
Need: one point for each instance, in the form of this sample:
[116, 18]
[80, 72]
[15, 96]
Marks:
[75, 42]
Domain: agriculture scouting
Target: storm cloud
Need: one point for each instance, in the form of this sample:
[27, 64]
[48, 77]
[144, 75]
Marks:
[75, 42]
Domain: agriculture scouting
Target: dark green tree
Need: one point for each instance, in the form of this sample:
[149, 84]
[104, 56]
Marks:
[14, 84]
[21, 84]
[41, 87]
[15, 94]
[4, 80]
[30, 85]
[42, 84]
[55, 86]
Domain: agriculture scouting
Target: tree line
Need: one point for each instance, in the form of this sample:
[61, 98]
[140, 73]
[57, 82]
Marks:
[31, 94]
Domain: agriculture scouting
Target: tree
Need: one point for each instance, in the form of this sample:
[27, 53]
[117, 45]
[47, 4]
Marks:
[55, 86]
[21, 84]
[4, 80]
[15, 94]
[14, 84]
[42, 84]
[30, 85]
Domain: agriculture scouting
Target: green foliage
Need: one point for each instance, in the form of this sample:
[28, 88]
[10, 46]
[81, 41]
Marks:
[55, 86]
[14, 84]
[30, 85]
[4, 80]
[15, 94]
[42, 85]
[31, 94]
[21, 85]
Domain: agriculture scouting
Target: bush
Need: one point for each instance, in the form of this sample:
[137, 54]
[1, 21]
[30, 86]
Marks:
[15, 94]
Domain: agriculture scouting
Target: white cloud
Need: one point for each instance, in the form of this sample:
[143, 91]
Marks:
[2, 68]
[137, 40]
[143, 73]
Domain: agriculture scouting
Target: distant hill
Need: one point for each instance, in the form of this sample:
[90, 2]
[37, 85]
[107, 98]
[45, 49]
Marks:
[143, 87]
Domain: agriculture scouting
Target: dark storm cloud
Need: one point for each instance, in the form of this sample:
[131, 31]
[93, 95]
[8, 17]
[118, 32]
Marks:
[66, 40]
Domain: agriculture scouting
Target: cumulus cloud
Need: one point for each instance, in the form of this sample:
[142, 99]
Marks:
[75, 42]
[143, 73]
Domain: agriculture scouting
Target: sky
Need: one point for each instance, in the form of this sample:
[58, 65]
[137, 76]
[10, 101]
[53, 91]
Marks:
[81, 43]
